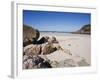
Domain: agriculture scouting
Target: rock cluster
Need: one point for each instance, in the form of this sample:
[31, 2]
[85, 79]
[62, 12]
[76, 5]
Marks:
[35, 51]
[45, 48]
[30, 35]
[32, 48]
[32, 62]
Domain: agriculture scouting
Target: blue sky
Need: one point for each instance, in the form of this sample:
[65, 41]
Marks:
[55, 21]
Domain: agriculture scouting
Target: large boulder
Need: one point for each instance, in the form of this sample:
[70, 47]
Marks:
[30, 35]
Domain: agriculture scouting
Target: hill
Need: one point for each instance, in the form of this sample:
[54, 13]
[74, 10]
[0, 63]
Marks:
[86, 29]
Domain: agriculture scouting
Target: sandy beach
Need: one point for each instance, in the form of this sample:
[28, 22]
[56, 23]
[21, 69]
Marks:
[56, 39]
[68, 50]
[79, 45]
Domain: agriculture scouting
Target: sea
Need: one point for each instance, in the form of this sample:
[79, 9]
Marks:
[61, 34]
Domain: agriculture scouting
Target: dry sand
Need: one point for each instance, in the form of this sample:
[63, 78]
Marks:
[78, 45]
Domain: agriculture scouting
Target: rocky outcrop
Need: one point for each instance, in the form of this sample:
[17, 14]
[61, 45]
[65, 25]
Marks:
[35, 62]
[30, 35]
[44, 49]
[48, 46]
[86, 29]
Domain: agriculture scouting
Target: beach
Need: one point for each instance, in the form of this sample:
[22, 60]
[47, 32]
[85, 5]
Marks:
[61, 50]
[79, 45]
[56, 39]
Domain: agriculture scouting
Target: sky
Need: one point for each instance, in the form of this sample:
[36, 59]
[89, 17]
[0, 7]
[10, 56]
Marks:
[56, 21]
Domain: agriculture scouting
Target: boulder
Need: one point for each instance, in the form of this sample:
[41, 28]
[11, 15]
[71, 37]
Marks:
[37, 49]
[43, 40]
[54, 40]
[30, 35]
[44, 48]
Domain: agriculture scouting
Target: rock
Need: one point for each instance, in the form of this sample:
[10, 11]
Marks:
[25, 57]
[32, 50]
[47, 39]
[45, 64]
[44, 57]
[85, 29]
[43, 40]
[57, 46]
[37, 49]
[25, 65]
[31, 63]
[41, 63]
[30, 35]
[45, 45]
[54, 40]
[47, 48]
[38, 60]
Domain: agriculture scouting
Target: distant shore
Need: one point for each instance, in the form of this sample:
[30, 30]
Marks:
[62, 32]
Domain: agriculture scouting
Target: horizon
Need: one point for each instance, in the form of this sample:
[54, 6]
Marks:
[56, 21]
